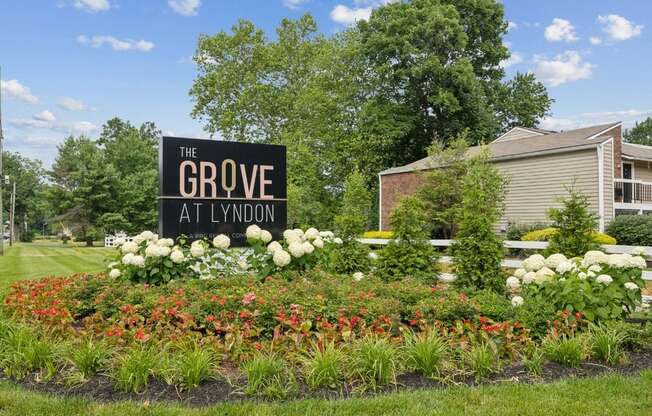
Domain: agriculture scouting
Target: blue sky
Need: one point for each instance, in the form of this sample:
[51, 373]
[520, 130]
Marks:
[69, 65]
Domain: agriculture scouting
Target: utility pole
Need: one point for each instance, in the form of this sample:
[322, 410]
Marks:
[12, 215]
[2, 223]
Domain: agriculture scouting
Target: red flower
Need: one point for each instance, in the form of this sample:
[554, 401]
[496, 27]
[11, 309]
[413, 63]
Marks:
[210, 318]
[248, 298]
[413, 322]
[140, 335]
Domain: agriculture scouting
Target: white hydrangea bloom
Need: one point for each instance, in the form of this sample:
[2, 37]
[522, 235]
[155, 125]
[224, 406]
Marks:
[148, 235]
[357, 276]
[582, 275]
[281, 258]
[265, 236]
[129, 247]
[596, 268]
[318, 242]
[337, 240]
[619, 260]
[154, 250]
[292, 236]
[127, 258]
[373, 255]
[631, 286]
[243, 265]
[554, 260]
[299, 232]
[177, 256]
[197, 249]
[253, 232]
[221, 242]
[638, 262]
[520, 273]
[307, 247]
[114, 273]
[517, 301]
[529, 277]
[165, 242]
[639, 251]
[326, 235]
[138, 239]
[138, 261]
[296, 249]
[286, 233]
[534, 262]
[273, 247]
[594, 257]
[565, 267]
[312, 233]
[604, 278]
[513, 282]
[544, 274]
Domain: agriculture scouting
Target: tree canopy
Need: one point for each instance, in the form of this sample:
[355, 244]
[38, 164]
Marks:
[641, 133]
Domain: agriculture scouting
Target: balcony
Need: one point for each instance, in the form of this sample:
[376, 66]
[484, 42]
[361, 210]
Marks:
[632, 195]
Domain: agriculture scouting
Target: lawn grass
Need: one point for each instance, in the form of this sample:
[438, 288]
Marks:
[606, 395]
[48, 258]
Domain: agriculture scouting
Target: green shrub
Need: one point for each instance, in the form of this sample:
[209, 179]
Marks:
[567, 351]
[409, 253]
[267, 375]
[536, 314]
[378, 234]
[478, 251]
[135, 368]
[446, 306]
[632, 230]
[482, 360]
[374, 361]
[493, 305]
[575, 225]
[606, 344]
[356, 207]
[426, 353]
[546, 234]
[635, 336]
[349, 257]
[324, 367]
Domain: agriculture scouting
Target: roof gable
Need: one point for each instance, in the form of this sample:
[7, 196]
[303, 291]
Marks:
[516, 133]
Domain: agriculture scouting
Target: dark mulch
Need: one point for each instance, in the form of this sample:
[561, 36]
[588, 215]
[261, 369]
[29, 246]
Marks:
[101, 387]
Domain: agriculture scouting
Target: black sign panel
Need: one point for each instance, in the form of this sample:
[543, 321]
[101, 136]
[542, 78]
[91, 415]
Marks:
[211, 187]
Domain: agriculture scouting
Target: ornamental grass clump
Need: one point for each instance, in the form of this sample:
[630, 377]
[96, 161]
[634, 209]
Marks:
[374, 362]
[478, 251]
[324, 367]
[268, 376]
[191, 366]
[568, 351]
[533, 361]
[426, 353]
[409, 253]
[482, 359]
[89, 357]
[21, 352]
[606, 344]
[135, 368]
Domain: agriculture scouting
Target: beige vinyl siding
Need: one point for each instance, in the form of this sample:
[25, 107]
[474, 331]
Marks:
[642, 170]
[536, 183]
[516, 133]
[608, 182]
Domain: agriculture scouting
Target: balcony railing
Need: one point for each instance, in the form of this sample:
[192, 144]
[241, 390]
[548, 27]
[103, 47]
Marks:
[632, 191]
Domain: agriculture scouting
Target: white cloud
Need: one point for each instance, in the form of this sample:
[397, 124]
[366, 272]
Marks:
[92, 6]
[558, 124]
[44, 115]
[628, 117]
[14, 89]
[567, 67]
[514, 59]
[618, 28]
[595, 40]
[561, 30]
[512, 26]
[116, 44]
[185, 7]
[67, 127]
[347, 16]
[71, 104]
[294, 4]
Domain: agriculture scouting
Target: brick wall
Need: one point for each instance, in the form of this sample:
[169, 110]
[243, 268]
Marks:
[393, 187]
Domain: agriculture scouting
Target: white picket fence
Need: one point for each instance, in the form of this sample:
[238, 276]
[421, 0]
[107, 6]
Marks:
[116, 240]
[516, 263]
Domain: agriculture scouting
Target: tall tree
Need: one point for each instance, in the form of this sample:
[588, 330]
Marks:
[641, 133]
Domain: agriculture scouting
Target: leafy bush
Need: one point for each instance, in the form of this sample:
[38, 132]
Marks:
[378, 234]
[536, 314]
[426, 353]
[567, 351]
[349, 257]
[324, 367]
[516, 231]
[575, 225]
[478, 251]
[409, 253]
[545, 234]
[493, 305]
[599, 286]
[633, 230]
[356, 207]
[374, 361]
